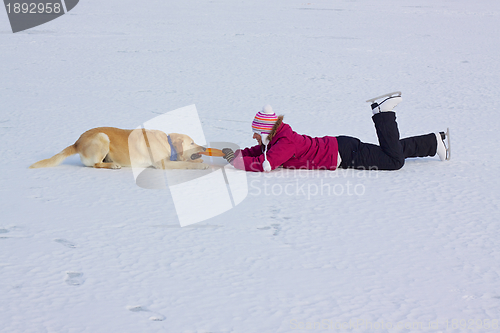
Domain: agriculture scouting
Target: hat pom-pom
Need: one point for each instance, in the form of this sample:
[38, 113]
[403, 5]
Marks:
[267, 109]
[266, 166]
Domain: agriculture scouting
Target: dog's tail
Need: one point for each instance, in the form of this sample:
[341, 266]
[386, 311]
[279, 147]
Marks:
[56, 159]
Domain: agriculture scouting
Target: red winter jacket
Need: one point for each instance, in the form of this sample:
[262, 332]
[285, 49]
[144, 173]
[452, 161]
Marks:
[290, 150]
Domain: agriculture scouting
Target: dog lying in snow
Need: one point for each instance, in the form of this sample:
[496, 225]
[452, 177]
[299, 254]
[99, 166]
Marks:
[112, 148]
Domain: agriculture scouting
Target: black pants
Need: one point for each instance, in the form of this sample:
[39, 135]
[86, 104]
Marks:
[391, 153]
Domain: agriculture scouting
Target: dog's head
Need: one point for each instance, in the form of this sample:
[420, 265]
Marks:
[186, 148]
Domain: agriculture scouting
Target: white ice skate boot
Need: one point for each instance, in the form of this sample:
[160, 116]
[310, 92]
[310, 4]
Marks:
[442, 150]
[388, 102]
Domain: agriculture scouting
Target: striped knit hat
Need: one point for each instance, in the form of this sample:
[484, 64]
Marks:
[264, 120]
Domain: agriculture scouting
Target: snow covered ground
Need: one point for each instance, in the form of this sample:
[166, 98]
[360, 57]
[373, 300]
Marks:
[87, 250]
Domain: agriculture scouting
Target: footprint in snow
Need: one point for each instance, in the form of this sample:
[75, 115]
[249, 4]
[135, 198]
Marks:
[264, 228]
[74, 278]
[152, 315]
[65, 243]
[274, 212]
[3, 231]
[276, 227]
[11, 232]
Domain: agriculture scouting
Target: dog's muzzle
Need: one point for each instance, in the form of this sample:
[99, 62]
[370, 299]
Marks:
[196, 156]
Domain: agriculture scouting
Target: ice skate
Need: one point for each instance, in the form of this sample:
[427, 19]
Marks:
[443, 150]
[387, 102]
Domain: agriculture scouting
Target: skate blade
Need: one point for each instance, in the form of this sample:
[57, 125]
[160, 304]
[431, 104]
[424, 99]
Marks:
[392, 94]
[448, 146]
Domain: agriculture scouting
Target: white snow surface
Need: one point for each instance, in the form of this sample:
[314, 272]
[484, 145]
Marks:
[87, 250]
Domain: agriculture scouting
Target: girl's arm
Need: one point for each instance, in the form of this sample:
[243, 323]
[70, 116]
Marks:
[279, 153]
[252, 151]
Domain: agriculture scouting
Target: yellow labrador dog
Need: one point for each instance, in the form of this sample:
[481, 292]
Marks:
[112, 148]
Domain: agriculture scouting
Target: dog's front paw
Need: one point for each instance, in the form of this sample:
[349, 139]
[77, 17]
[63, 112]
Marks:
[115, 166]
[203, 166]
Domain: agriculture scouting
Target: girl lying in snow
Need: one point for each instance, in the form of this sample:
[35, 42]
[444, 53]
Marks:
[279, 145]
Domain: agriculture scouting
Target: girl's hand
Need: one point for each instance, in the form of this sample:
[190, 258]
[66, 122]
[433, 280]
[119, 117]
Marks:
[228, 154]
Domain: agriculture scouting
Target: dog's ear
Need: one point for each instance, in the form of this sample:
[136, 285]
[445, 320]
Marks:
[177, 143]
